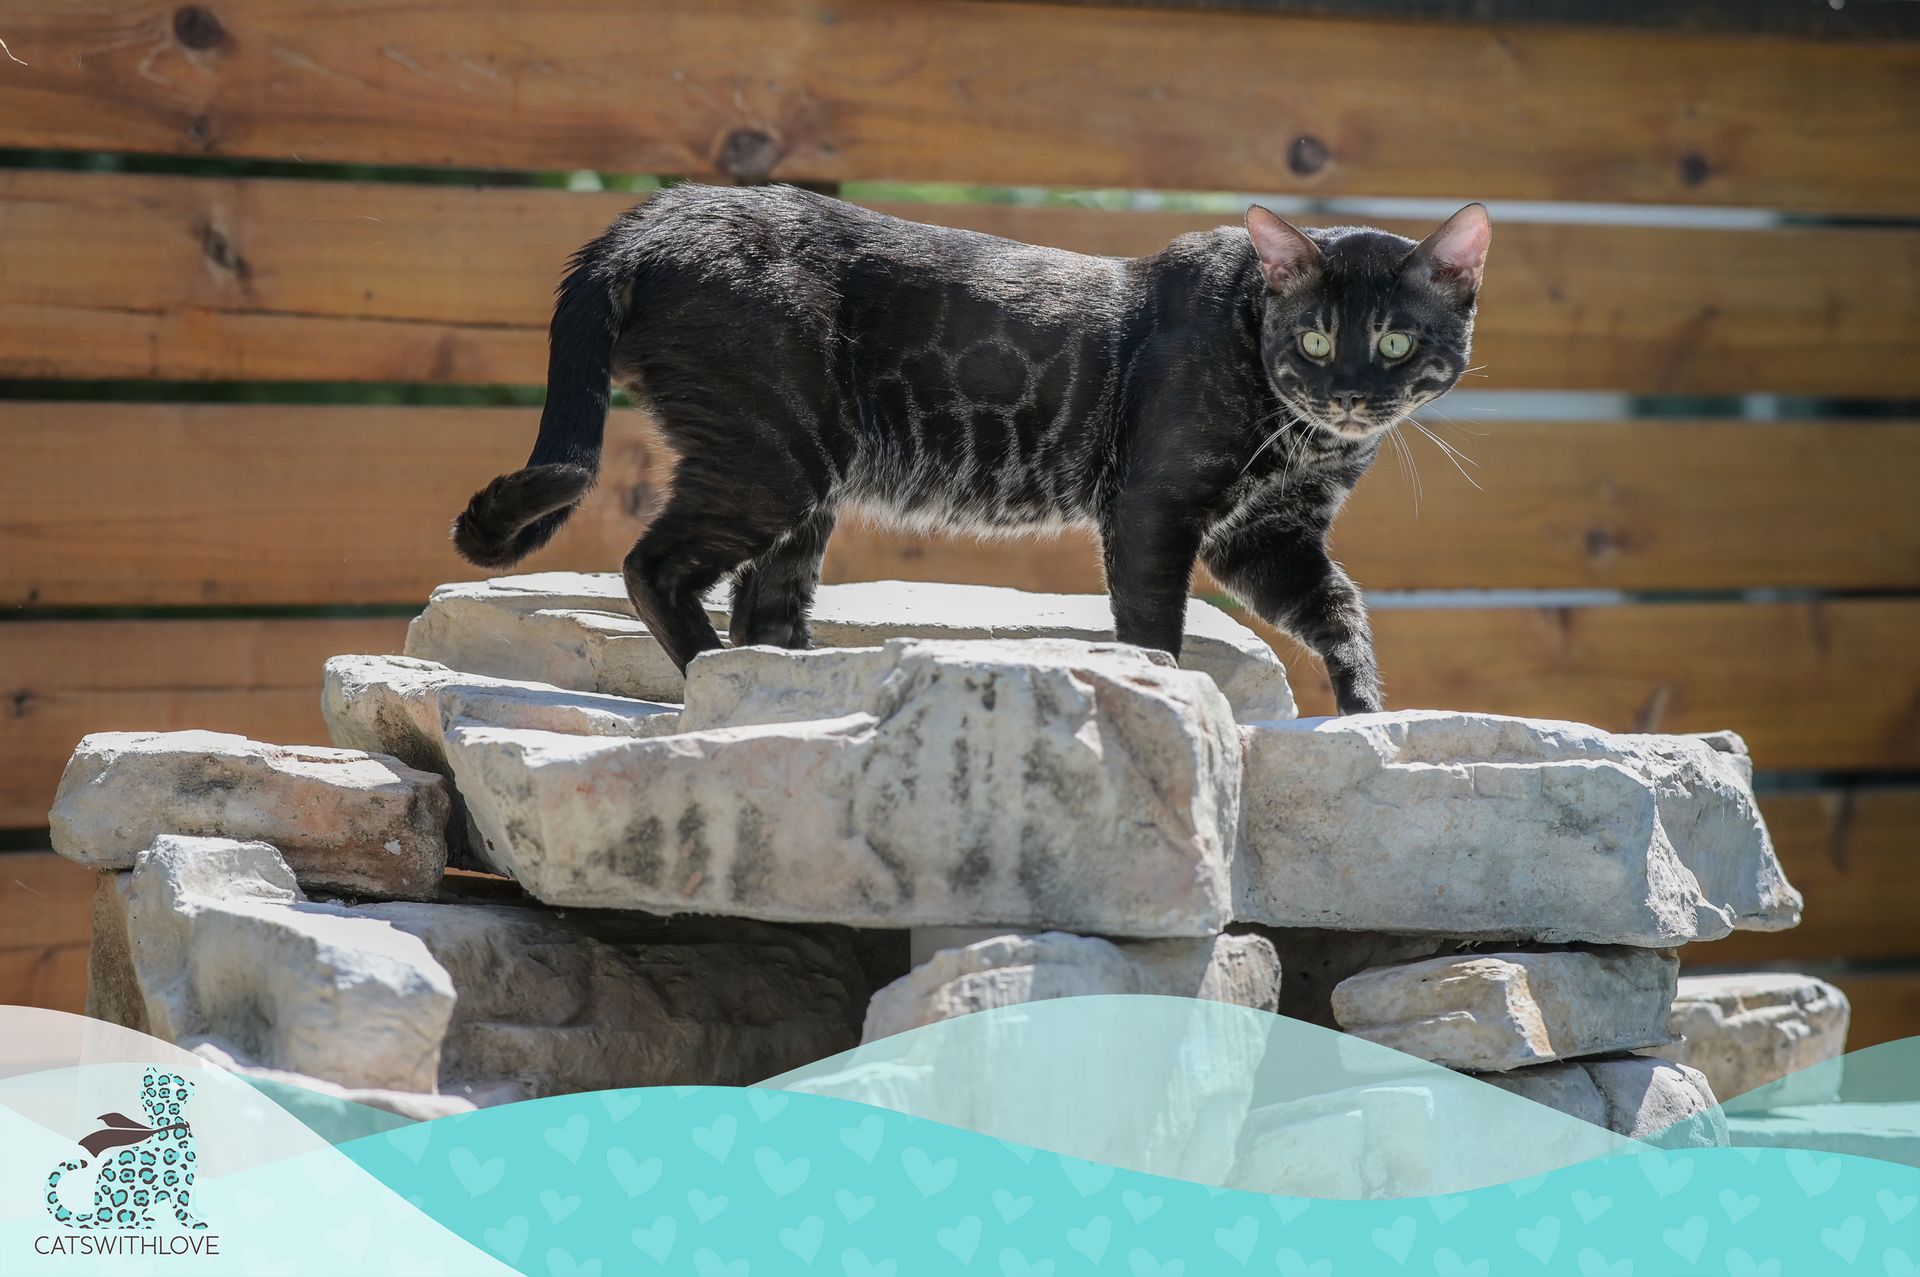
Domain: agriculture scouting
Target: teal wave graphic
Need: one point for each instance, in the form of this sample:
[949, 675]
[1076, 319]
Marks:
[1232, 1096]
[719, 1182]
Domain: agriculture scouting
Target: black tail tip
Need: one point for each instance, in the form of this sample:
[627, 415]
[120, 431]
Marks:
[518, 513]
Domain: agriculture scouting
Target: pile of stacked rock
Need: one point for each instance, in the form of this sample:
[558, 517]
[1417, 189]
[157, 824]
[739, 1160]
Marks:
[963, 798]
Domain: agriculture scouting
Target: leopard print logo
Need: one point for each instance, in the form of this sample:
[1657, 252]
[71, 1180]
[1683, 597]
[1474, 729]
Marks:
[153, 1166]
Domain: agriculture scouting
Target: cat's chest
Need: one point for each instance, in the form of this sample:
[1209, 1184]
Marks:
[1305, 480]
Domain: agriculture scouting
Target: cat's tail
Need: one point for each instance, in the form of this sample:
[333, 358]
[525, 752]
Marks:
[518, 513]
[56, 1207]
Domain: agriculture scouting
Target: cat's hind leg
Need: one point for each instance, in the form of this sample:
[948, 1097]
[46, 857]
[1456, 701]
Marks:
[716, 520]
[773, 595]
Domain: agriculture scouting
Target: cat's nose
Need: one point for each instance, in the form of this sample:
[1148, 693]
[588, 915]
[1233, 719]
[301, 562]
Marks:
[1349, 400]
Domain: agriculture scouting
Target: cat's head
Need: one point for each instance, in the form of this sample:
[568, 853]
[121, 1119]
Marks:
[1360, 327]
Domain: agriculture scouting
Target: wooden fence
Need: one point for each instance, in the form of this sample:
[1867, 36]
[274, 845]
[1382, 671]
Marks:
[169, 561]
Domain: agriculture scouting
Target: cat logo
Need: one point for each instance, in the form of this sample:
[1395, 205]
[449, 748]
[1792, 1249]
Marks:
[143, 1166]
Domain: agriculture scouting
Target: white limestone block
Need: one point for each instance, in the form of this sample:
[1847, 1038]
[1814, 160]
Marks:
[397, 704]
[1754, 1030]
[1034, 785]
[352, 822]
[1479, 826]
[426, 1008]
[1011, 969]
[1500, 1011]
[208, 939]
[578, 630]
[557, 1002]
[1657, 1101]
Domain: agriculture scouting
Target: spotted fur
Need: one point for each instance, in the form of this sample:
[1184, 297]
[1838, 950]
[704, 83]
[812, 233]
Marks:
[804, 357]
[138, 1178]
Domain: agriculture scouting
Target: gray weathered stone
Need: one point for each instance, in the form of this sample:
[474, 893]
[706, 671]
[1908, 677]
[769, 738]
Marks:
[297, 1090]
[578, 630]
[211, 940]
[1500, 1011]
[1752, 1030]
[1011, 969]
[423, 1009]
[1653, 1100]
[351, 822]
[1316, 961]
[552, 1003]
[1479, 826]
[1035, 785]
[1427, 1133]
[396, 705]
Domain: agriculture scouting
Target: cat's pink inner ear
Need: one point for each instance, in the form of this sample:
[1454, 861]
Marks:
[1457, 252]
[1286, 256]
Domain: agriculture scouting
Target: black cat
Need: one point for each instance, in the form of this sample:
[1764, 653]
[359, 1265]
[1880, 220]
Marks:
[1214, 402]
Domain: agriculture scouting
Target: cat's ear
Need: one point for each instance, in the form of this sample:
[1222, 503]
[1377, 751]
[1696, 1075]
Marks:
[1287, 257]
[1455, 256]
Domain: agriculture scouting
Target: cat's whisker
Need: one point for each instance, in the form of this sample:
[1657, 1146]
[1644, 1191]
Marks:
[1408, 466]
[1449, 419]
[1452, 454]
[1445, 446]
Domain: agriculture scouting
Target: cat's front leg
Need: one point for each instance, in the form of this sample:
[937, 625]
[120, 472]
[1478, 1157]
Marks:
[1283, 573]
[1149, 548]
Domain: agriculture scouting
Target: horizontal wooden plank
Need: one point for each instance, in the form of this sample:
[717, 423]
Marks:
[175, 504]
[1006, 93]
[50, 976]
[1855, 855]
[1788, 677]
[1886, 1005]
[123, 275]
[1896, 19]
[45, 901]
[63, 679]
[1638, 505]
[106, 504]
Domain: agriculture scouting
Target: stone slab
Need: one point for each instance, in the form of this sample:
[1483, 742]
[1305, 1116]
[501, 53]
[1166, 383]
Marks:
[552, 1003]
[211, 940]
[1012, 969]
[1317, 960]
[1657, 1101]
[1753, 1030]
[1037, 785]
[1500, 1011]
[428, 1008]
[578, 630]
[346, 821]
[396, 705]
[1478, 826]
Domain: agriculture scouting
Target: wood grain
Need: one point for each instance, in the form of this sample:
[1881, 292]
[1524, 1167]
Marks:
[1006, 93]
[46, 919]
[63, 679]
[130, 276]
[1886, 1005]
[1854, 854]
[1786, 676]
[112, 504]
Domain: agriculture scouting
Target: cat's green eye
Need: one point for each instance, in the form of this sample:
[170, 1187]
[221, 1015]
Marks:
[1395, 345]
[1316, 345]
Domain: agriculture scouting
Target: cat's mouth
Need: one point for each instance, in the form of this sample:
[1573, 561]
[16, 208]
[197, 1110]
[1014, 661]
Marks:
[1354, 424]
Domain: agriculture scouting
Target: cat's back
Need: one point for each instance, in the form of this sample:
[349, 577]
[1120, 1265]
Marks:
[793, 233]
